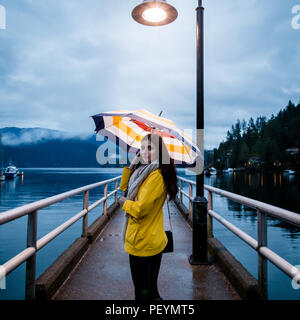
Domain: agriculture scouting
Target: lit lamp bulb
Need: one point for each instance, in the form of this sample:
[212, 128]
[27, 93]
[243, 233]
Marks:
[154, 15]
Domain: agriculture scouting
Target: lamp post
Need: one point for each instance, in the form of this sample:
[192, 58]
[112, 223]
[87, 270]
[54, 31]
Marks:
[159, 13]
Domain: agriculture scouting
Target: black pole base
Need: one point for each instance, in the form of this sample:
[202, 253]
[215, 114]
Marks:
[197, 262]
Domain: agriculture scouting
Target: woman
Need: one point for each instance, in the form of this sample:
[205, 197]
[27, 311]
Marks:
[150, 178]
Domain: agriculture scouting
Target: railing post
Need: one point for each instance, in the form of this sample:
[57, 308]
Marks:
[190, 201]
[209, 218]
[116, 194]
[31, 262]
[262, 261]
[105, 201]
[85, 217]
[180, 191]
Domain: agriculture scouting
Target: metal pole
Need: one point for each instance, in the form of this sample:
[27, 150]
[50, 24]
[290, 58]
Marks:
[180, 192]
[262, 240]
[85, 217]
[116, 194]
[200, 92]
[31, 262]
[199, 255]
[190, 201]
[209, 218]
[105, 202]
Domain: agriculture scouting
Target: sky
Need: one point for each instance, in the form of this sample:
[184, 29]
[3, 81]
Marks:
[64, 61]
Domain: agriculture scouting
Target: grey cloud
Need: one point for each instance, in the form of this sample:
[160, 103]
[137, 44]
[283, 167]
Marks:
[61, 63]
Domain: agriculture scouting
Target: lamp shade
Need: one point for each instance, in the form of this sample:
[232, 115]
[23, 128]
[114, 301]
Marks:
[154, 13]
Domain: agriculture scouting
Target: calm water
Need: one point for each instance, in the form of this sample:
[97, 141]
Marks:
[279, 190]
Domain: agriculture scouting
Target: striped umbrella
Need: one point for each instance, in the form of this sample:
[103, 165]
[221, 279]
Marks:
[127, 129]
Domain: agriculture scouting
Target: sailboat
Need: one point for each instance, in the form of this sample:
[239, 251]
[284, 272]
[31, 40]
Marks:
[2, 176]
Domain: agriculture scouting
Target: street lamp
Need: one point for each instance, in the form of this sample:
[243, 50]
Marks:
[159, 13]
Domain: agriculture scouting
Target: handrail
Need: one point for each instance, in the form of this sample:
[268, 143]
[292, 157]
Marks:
[33, 245]
[260, 245]
[15, 213]
[266, 252]
[276, 212]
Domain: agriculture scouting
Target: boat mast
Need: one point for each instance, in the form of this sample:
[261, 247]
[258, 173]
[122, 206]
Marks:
[1, 151]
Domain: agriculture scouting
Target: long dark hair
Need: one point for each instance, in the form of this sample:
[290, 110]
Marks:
[166, 165]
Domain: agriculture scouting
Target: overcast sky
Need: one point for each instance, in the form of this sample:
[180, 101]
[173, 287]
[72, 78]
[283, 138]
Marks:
[63, 61]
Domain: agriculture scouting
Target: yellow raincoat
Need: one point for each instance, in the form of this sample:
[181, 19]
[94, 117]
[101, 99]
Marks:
[145, 235]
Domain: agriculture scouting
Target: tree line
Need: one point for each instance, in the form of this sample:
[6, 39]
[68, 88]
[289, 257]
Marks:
[262, 144]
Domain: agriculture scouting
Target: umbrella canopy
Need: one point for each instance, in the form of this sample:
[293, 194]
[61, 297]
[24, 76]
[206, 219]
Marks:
[127, 129]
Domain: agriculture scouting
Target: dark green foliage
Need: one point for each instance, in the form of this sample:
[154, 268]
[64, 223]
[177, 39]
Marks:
[261, 143]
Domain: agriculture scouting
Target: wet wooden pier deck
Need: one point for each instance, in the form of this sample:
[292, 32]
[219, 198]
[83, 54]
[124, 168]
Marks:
[104, 273]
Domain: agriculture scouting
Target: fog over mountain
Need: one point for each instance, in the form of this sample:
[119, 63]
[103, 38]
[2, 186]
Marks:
[41, 147]
[17, 136]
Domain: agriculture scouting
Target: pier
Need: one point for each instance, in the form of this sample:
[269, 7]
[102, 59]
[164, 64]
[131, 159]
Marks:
[96, 267]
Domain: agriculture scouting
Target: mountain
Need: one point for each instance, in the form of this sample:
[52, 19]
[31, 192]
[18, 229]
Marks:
[40, 147]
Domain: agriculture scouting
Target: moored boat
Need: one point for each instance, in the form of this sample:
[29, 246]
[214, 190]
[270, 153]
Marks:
[228, 170]
[213, 170]
[11, 172]
[289, 171]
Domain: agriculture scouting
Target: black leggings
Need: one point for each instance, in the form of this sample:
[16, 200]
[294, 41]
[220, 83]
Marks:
[144, 273]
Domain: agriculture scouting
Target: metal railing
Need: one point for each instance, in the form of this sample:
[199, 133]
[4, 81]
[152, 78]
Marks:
[260, 245]
[33, 245]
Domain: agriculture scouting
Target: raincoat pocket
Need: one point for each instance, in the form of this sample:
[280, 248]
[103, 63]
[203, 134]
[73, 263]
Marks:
[132, 231]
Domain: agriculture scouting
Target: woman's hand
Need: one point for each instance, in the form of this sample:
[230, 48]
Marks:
[135, 161]
[122, 200]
